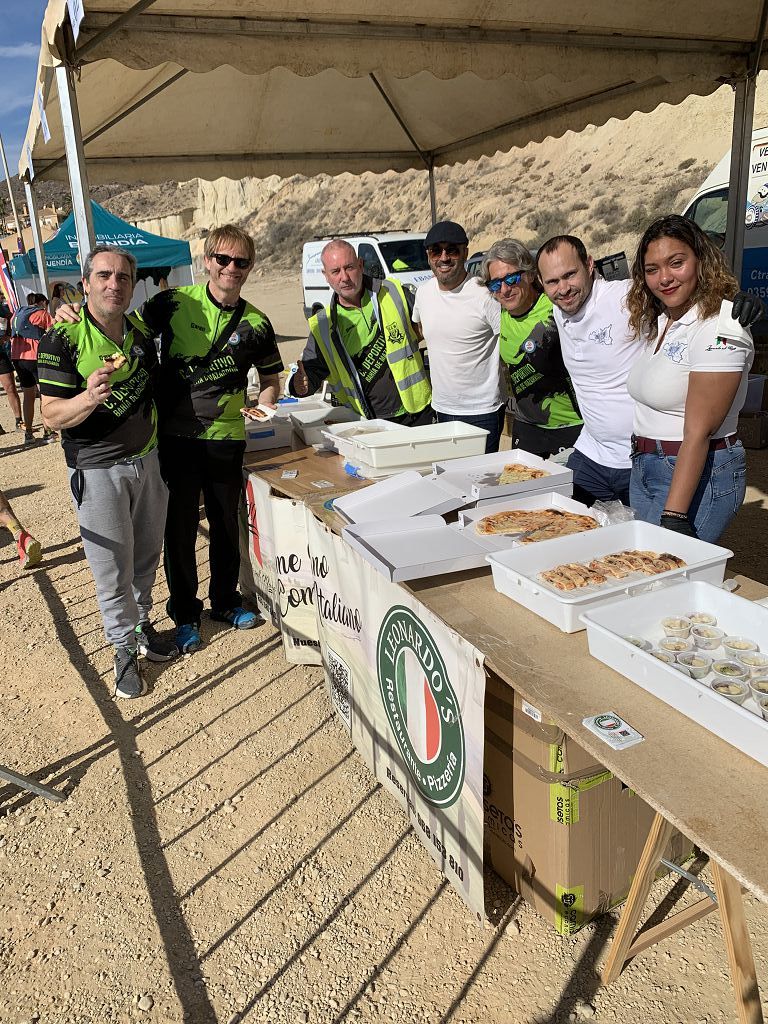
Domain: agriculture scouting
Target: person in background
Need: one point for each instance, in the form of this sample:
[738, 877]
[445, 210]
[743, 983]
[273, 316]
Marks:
[57, 297]
[28, 326]
[546, 413]
[460, 323]
[599, 349]
[29, 550]
[365, 345]
[98, 379]
[7, 380]
[689, 382]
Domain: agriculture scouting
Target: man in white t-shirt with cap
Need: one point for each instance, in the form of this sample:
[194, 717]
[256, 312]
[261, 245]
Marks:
[599, 349]
[460, 322]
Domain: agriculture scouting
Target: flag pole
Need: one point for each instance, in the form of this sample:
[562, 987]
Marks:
[10, 194]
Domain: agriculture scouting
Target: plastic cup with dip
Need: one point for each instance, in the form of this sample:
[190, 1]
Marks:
[756, 662]
[675, 645]
[736, 645]
[733, 689]
[665, 656]
[682, 669]
[759, 687]
[763, 705]
[707, 638]
[640, 642]
[729, 670]
[676, 625]
[702, 619]
[697, 662]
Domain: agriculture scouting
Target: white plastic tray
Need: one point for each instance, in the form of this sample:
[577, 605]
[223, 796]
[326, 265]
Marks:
[607, 626]
[340, 436]
[311, 424]
[408, 549]
[479, 476]
[500, 542]
[516, 570]
[407, 494]
[417, 445]
[275, 433]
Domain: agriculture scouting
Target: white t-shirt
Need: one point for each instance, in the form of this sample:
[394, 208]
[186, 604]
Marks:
[461, 329]
[659, 380]
[599, 350]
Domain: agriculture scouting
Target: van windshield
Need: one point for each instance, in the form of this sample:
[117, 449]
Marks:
[408, 254]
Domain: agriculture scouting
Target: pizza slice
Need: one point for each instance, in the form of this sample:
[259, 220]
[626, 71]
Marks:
[516, 473]
[114, 362]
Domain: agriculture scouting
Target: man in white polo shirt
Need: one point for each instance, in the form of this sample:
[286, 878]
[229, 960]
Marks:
[599, 350]
[460, 322]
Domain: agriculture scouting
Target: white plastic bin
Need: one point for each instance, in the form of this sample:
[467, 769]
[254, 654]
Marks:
[412, 446]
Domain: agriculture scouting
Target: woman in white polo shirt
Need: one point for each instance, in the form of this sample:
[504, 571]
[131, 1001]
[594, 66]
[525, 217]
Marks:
[689, 384]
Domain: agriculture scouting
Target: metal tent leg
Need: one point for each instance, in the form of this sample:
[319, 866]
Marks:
[34, 223]
[30, 785]
[78, 179]
[741, 147]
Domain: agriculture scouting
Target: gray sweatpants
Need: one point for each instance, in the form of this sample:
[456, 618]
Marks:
[122, 518]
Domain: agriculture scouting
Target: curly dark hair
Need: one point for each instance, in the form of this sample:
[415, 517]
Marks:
[715, 280]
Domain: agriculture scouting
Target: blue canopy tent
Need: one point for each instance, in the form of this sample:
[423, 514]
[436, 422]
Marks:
[157, 257]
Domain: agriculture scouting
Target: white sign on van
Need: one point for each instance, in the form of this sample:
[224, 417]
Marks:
[759, 163]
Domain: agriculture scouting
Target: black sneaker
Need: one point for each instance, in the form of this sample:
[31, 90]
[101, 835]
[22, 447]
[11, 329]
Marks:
[152, 646]
[128, 680]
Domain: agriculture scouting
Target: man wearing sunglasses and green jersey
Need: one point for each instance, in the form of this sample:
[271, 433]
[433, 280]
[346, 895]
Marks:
[210, 338]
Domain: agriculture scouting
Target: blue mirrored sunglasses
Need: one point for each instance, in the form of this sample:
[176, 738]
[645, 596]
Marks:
[494, 285]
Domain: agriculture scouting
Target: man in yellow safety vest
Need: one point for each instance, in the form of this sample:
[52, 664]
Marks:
[365, 345]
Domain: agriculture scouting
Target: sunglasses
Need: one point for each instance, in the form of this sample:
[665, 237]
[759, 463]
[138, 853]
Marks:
[449, 250]
[494, 285]
[223, 260]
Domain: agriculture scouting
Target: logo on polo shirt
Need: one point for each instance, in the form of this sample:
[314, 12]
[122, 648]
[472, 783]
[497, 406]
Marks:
[721, 345]
[602, 335]
[421, 706]
[675, 350]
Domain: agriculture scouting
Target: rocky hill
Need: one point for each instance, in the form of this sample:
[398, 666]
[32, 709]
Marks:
[605, 184]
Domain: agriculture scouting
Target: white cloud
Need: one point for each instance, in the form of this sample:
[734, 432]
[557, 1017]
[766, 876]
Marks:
[22, 50]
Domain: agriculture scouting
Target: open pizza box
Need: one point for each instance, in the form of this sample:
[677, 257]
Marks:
[469, 517]
[478, 477]
[409, 549]
[408, 493]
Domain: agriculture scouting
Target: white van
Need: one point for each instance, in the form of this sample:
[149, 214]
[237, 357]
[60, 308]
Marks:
[396, 254]
[709, 209]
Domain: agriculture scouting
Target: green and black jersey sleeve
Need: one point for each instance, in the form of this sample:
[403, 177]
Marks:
[125, 426]
[206, 351]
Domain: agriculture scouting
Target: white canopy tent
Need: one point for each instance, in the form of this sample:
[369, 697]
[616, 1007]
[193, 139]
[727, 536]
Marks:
[173, 89]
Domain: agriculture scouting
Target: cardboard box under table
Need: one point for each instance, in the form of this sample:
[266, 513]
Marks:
[562, 830]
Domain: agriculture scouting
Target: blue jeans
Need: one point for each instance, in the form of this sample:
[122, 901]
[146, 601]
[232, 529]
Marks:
[593, 482]
[493, 422]
[717, 498]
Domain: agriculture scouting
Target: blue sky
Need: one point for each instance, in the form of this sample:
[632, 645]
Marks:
[20, 22]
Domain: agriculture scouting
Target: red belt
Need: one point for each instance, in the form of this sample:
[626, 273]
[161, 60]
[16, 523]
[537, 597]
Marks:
[647, 446]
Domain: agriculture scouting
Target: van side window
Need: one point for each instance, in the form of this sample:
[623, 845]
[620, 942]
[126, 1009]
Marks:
[371, 262]
[710, 212]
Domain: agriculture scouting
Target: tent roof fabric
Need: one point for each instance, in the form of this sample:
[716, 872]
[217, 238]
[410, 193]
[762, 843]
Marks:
[193, 88]
[61, 252]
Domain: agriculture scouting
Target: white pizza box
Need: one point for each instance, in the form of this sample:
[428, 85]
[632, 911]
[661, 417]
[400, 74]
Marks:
[408, 494]
[500, 542]
[479, 476]
[415, 446]
[741, 726]
[409, 549]
[310, 424]
[338, 436]
[516, 570]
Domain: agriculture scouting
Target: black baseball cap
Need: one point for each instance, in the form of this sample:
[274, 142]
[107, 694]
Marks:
[446, 231]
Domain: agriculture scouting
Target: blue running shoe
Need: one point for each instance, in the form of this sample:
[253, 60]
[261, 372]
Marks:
[238, 618]
[188, 638]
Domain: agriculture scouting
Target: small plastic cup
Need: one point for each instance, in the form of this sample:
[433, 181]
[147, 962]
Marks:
[675, 645]
[729, 670]
[676, 625]
[736, 645]
[702, 619]
[697, 662]
[665, 656]
[639, 641]
[759, 687]
[763, 705]
[754, 661]
[733, 689]
[682, 669]
[707, 638]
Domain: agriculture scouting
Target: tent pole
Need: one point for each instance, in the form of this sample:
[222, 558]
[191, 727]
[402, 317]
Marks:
[37, 237]
[741, 148]
[432, 197]
[16, 220]
[73, 143]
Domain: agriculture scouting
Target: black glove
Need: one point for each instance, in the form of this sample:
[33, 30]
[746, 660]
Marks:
[678, 525]
[747, 309]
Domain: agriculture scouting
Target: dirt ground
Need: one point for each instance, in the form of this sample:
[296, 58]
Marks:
[223, 854]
